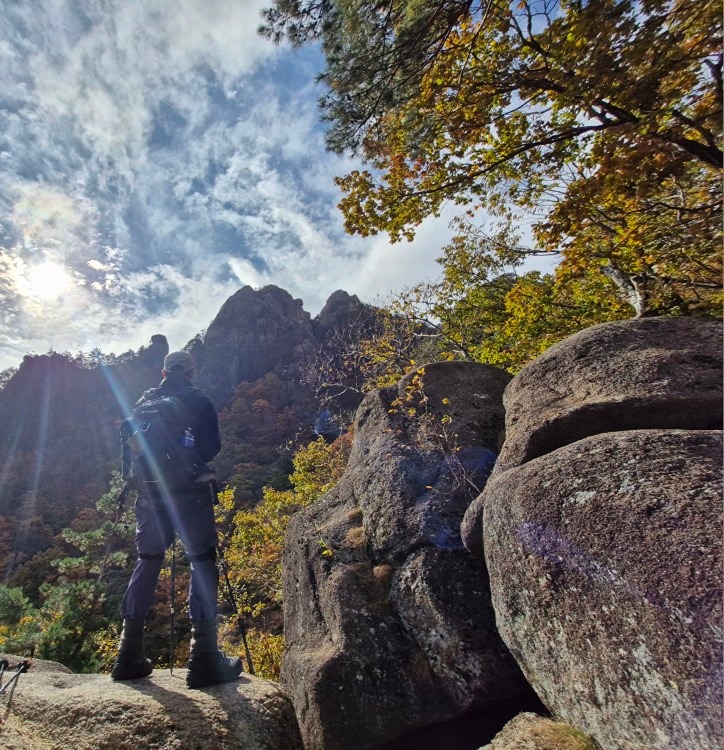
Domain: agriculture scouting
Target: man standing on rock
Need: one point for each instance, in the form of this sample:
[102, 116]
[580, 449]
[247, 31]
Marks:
[172, 433]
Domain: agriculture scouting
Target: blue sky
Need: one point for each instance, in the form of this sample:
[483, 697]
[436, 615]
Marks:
[156, 156]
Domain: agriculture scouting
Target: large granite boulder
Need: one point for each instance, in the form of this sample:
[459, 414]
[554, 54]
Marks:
[388, 621]
[602, 532]
[52, 709]
[650, 373]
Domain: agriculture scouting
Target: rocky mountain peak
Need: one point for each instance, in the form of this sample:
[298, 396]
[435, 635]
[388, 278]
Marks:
[256, 332]
[340, 310]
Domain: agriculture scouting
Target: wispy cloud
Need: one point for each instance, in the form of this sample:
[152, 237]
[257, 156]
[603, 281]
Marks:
[164, 154]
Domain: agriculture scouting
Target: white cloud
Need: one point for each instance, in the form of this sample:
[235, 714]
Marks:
[165, 154]
[53, 222]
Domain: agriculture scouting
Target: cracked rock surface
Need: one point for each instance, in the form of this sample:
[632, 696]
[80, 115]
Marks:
[388, 619]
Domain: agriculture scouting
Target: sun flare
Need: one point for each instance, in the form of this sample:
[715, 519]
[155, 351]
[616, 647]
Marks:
[45, 281]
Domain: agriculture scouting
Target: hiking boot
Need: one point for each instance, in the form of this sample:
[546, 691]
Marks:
[212, 669]
[131, 668]
[130, 663]
[208, 665]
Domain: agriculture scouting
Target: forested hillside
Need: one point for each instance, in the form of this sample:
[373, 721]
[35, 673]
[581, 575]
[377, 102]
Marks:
[59, 440]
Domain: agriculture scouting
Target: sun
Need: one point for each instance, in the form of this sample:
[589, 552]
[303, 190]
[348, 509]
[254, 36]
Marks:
[45, 281]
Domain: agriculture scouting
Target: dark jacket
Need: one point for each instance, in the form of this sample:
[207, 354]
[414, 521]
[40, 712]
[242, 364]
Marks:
[202, 414]
[203, 420]
[201, 411]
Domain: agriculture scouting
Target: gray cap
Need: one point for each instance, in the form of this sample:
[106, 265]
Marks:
[178, 362]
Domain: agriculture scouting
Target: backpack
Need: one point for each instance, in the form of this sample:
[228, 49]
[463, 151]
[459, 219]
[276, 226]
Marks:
[162, 451]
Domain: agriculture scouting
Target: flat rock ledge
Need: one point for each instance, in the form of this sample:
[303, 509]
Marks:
[55, 710]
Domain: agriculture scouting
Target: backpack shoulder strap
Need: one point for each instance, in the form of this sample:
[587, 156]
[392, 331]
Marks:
[146, 396]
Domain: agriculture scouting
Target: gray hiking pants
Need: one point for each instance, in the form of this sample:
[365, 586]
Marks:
[157, 521]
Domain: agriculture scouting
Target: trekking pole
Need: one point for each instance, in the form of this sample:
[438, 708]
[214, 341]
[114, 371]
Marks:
[24, 666]
[172, 645]
[231, 600]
